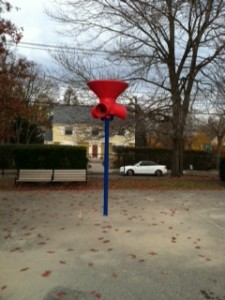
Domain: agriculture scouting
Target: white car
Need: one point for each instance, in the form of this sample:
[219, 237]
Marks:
[144, 167]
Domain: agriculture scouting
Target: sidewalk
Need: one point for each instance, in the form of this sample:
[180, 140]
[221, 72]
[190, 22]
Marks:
[154, 245]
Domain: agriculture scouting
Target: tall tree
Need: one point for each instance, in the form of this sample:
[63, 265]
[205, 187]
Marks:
[8, 72]
[8, 31]
[168, 45]
[217, 127]
[25, 100]
[38, 94]
[12, 73]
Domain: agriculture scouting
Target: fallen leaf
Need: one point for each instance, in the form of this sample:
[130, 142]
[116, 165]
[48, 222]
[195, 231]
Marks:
[62, 262]
[24, 269]
[132, 255]
[60, 294]
[114, 275]
[93, 250]
[46, 273]
[152, 253]
[106, 241]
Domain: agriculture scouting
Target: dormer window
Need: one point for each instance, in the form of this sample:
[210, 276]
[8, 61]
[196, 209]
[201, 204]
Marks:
[95, 131]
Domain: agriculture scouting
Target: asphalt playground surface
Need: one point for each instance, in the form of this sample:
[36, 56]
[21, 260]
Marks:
[153, 245]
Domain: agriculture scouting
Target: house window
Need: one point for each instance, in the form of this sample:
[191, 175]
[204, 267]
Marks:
[68, 130]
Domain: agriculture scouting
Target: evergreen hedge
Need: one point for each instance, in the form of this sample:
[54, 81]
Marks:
[222, 169]
[199, 160]
[43, 157]
[6, 156]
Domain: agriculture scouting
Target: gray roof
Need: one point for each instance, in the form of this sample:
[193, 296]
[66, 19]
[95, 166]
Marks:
[79, 114]
[64, 114]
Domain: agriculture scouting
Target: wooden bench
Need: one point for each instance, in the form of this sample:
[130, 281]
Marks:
[34, 175]
[37, 175]
[69, 175]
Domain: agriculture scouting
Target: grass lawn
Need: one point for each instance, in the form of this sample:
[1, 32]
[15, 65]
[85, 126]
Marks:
[186, 182]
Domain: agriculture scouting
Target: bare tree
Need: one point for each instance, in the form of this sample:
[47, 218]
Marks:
[37, 93]
[70, 97]
[217, 127]
[166, 45]
[216, 123]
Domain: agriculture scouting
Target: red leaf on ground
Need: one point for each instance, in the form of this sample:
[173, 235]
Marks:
[95, 294]
[46, 273]
[98, 296]
[152, 253]
[60, 294]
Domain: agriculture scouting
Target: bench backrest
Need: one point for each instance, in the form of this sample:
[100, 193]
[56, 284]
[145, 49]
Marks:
[70, 175]
[35, 175]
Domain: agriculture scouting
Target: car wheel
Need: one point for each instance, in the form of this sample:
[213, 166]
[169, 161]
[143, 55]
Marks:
[158, 173]
[130, 172]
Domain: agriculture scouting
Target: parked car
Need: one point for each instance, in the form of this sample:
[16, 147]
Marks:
[144, 167]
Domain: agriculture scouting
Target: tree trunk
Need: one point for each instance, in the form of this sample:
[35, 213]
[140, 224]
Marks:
[177, 157]
[218, 150]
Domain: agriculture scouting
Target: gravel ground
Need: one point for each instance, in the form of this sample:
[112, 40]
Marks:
[154, 245]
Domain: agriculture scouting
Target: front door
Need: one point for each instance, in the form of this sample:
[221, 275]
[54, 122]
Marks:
[94, 151]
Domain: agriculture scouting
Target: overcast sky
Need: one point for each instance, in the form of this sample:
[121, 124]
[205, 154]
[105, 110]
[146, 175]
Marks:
[37, 28]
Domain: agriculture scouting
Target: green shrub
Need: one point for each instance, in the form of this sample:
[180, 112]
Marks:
[200, 160]
[6, 156]
[50, 157]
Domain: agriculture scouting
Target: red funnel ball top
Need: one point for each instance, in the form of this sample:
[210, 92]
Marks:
[107, 88]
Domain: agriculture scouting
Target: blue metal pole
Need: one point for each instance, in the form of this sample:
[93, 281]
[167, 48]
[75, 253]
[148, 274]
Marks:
[106, 167]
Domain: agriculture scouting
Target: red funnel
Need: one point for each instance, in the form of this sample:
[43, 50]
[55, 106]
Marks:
[107, 88]
[108, 91]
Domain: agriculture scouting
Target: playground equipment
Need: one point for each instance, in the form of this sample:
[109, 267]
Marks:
[107, 108]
